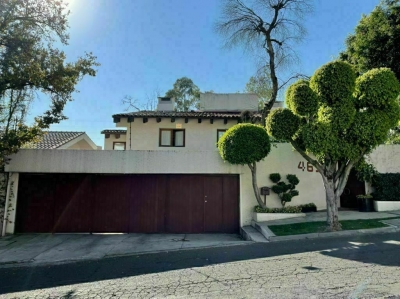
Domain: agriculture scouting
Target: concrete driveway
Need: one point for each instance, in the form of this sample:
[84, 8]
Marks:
[47, 248]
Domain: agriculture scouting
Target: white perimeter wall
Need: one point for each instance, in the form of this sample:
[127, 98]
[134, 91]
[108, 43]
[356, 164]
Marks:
[282, 159]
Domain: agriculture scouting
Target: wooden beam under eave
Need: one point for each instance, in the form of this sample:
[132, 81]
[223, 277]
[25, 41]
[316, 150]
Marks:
[211, 121]
[131, 119]
[158, 119]
[145, 119]
[117, 120]
[186, 120]
[225, 121]
[199, 120]
[172, 119]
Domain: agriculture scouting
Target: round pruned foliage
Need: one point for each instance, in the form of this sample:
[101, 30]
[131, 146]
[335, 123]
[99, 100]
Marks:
[275, 177]
[244, 144]
[377, 88]
[282, 124]
[293, 179]
[334, 82]
[301, 99]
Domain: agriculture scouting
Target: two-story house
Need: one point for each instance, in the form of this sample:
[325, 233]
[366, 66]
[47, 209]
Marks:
[160, 172]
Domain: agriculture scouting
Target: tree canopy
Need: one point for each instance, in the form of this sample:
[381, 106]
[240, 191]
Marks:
[186, 94]
[376, 39]
[337, 118]
[270, 28]
[260, 85]
[30, 65]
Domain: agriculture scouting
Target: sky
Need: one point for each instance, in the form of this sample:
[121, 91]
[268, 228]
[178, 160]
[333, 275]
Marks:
[145, 45]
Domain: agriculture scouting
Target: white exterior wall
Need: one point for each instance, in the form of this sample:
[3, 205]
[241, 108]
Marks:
[386, 158]
[281, 159]
[109, 142]
[145, 136]
[228, 101]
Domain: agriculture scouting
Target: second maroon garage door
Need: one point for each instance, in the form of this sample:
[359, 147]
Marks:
[128, 203]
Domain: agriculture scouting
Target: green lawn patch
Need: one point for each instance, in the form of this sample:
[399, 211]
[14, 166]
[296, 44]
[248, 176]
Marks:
[320, 226]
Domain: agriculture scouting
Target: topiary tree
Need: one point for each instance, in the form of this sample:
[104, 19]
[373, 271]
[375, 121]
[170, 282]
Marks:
[246, 144]
[335, 119]
[285, 191]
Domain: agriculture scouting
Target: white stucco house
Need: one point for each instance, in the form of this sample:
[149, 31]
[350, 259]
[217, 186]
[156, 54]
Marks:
[159, 172]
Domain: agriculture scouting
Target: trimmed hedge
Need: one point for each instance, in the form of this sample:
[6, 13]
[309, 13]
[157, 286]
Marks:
[387, 187]
[288, 209]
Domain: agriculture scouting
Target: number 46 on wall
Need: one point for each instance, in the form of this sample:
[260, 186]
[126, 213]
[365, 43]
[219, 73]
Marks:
[310, 168]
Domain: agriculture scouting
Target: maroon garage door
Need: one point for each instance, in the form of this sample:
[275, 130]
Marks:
[59, 203]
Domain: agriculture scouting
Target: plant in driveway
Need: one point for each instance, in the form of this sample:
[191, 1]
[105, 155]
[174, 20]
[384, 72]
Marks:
[246, 144]
[285, 191]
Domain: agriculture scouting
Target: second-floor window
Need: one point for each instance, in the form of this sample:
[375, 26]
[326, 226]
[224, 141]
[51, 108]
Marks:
[172, 137]
[119, 146]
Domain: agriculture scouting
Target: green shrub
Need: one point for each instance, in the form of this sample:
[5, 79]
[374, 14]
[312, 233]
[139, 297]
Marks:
[376, 88]
[285, 191]
[334, 82]
[282, 124]
[301, 99]
[244, 144]
[275, 177]
[288, 209]
[387, 187]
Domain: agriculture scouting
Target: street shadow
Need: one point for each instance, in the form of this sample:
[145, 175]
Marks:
[379, 249]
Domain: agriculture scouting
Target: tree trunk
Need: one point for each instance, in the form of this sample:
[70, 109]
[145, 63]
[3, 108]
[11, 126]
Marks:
[253, 168]
[331, 206]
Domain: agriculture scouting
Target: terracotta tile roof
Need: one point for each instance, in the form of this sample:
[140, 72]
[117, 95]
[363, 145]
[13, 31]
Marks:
[55, 139]
[191, 114]
[114, 131]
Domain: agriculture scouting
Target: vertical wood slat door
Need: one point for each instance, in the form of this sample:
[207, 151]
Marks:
[72, 203]
[111, 204]
[147, 203]
[35, 203]
[213, 204]
[185, 204]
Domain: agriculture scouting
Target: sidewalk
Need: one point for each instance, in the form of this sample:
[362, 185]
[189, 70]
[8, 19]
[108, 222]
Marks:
[394, 225]
[48, 249]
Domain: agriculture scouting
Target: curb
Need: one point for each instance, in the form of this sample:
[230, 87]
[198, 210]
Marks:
[334, 234]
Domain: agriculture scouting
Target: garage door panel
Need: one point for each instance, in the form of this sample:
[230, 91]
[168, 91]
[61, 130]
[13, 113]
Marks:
[147, 203]
[230, 201]
[185, 207]
[35, 204]
[111, 204]
[213, 205]
[73, 203]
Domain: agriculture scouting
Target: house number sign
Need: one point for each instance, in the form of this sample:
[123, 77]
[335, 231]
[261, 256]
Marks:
[309, 167]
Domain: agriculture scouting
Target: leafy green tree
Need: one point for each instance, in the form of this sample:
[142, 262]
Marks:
[269, 26]
[260, 85]
[31, 65]
[375, 44]
[376, 40]
[246, 144]
[335, 119]
[186, 94]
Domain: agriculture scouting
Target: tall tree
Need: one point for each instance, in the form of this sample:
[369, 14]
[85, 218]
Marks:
[31, 65]
[186, 94]
[376, 40]
[335, 119]
[375, 43]
[271, 25]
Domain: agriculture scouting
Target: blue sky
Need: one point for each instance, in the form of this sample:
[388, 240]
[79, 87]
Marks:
[145, 45]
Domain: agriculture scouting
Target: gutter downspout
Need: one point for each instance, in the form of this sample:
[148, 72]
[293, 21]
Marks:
[3, 233]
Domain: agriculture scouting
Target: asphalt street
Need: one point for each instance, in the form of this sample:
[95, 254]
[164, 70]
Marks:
[347, 267]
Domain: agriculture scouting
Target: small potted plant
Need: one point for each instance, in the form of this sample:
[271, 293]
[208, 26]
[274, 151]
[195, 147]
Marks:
[365, 203]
